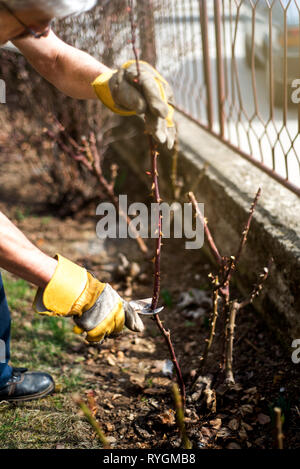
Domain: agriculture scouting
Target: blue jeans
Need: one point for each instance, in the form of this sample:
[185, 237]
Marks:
[5, 369]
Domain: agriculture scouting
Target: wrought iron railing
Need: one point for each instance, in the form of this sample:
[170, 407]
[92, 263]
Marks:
[235, 69]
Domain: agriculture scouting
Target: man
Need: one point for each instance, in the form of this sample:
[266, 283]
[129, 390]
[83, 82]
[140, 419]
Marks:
[64, 288]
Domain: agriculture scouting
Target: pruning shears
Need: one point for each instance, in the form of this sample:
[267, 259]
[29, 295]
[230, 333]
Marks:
[143, 307]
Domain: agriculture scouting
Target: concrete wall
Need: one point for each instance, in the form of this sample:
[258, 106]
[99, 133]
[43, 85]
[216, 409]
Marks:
[226, 183]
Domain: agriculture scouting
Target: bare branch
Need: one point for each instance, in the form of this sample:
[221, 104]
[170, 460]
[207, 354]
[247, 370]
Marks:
[208, 234]
[212, 329]
[258, 287]
[244, 235]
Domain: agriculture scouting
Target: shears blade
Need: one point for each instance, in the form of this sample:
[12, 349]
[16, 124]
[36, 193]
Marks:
[144, 307]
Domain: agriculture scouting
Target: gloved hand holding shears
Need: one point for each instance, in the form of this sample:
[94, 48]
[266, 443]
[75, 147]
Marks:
[96, 307]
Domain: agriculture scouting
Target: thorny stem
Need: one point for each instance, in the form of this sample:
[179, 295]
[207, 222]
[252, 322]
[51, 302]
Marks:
[227, 270]
[156, 288]
[186, 443]
[258, 287]
[212, 329]
[208, 234]
[234, 307]
[157, 258]
[155, 188]
[244, 236]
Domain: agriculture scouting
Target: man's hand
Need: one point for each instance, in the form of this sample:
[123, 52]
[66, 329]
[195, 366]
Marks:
[107, 317]
[150, 94]
[96, 307]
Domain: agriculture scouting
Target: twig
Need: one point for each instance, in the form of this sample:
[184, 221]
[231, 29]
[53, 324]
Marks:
[227, 272]
[252, 345]
[212, 329]
[177, 183]
[280, 435]
[91, 419]
[247, 227]
[257, 289]
[208, 234]
[229, 337]
[89, 157]
[244, 235]
[234, 308]
[186, 443]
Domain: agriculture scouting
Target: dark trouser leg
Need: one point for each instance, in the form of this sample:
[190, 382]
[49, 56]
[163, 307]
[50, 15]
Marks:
[5, 369]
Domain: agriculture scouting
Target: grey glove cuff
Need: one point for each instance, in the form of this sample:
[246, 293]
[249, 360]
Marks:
[132, 319]
[100, 310]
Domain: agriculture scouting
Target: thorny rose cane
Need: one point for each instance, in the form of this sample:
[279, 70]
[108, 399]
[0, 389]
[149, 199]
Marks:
[157, 258]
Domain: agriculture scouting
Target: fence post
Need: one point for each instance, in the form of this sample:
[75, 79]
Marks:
[206, 61]
[146, 23]
[2, 92]
[220, 67]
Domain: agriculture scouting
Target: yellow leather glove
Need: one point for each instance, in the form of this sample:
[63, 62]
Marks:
[151, 95]
[96, 307]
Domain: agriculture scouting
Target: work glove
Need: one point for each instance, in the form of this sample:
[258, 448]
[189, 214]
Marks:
[96, 307]
[150, 94]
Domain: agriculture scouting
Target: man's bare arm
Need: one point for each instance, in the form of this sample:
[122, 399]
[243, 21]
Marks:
[19, 256]
[69, 69]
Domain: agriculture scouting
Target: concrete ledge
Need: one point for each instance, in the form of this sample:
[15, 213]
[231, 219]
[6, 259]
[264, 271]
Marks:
[226, 183]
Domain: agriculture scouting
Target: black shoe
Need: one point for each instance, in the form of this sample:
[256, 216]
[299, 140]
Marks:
[20, 370]
[25, 386]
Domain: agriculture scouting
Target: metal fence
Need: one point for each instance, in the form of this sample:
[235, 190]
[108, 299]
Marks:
[235, 70]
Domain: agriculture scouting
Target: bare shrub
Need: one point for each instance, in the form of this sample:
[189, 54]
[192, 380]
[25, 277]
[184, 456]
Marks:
[33, 104]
